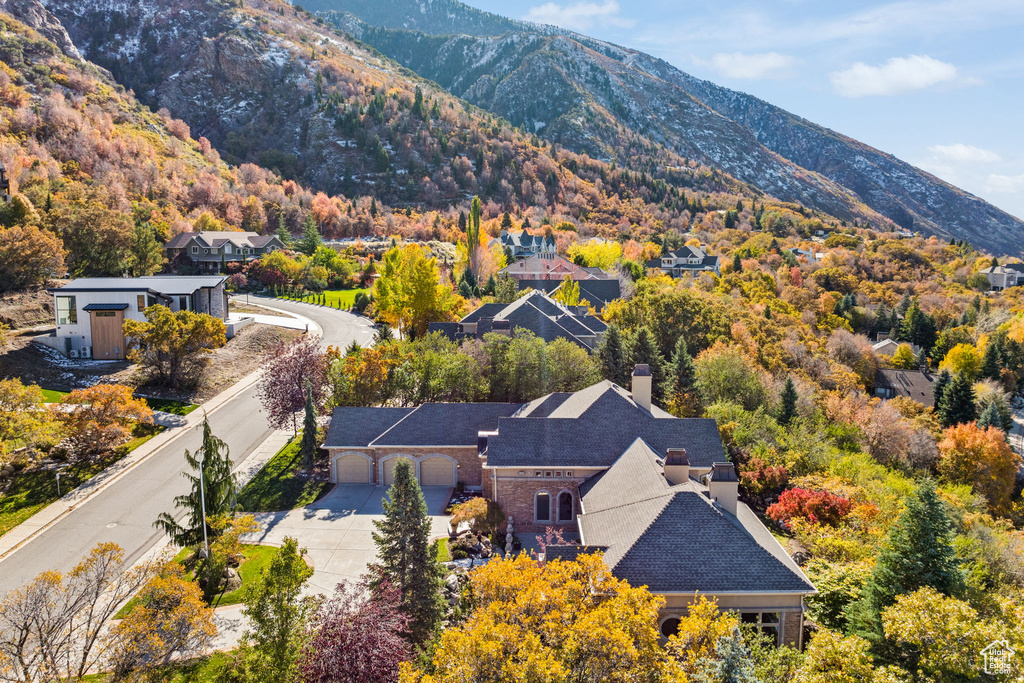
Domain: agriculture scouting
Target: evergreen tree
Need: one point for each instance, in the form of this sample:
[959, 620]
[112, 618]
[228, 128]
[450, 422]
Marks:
[384, 335]
[918, 328]
[958, 402]
[418, 110]
[271, 647]
[506, 221]
[787, 411]
[768, 312]
[682, 373]
[922, 359]
[732, 665]
[218, 487]
[406, 559]
[917, 553]
[310, 236]
[737, 265]
[506, 290]
[643, 349]
[939, 387]
[473, 233]
[308, 446]
[612, 357]
[990, 361]
[282, 231]
[990, 417]
[491, 285]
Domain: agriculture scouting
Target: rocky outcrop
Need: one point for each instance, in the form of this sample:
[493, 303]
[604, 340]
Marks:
[33, 14]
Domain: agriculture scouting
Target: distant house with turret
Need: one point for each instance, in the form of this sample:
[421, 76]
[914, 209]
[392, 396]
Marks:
[522, 244]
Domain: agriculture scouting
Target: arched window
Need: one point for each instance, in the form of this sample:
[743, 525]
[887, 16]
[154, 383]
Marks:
[670, 627]
[542, 507]
[565, 507]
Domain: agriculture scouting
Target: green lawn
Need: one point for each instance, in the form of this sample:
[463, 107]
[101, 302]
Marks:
[53, 396]
[280, 484]
[201, 670]
[169, 405]
[443, 554]
[35, 489]
[337, 298]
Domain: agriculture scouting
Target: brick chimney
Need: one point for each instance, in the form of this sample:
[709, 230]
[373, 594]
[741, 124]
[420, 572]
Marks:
[677, 466]
[642, 386]
[723, 486]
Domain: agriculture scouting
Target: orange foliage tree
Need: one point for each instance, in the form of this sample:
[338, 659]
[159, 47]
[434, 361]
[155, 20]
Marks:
[981, 458]
[102, 416]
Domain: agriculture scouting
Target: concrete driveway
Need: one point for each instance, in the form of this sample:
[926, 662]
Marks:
[335, 531]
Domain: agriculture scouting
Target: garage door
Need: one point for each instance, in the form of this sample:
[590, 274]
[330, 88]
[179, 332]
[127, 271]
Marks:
[437, 472]
[352, 469]
[389, 470]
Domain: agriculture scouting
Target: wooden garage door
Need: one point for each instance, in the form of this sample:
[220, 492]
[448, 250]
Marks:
[389, 470]
[437, 472]
[352, 469]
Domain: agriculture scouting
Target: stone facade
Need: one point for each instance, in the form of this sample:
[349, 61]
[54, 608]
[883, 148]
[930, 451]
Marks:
[517, 498]
[211, 300]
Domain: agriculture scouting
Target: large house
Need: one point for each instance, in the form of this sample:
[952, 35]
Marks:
[91, 311]
[211, 251]
[1004, 277]
[914, 384]
[692, 260]
[547, 273]
[650, 491]
[536, 312]
[522, 244]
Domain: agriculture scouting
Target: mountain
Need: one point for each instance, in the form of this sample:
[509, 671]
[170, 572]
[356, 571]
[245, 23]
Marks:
[560, 83]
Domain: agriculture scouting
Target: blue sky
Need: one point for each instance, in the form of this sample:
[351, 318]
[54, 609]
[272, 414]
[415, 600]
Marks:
[937, 83]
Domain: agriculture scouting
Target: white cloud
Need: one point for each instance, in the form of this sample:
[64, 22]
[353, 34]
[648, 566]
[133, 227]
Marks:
[965, 154]
[580, 16]
[760, 65]
[898, 75]
[1005, 184]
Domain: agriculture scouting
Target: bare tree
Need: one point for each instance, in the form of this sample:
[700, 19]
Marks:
[51, 628]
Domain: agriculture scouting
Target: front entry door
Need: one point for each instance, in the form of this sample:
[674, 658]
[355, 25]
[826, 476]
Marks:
[108, 335]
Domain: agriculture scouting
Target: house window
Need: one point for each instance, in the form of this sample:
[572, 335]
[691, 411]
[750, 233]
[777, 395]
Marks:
[151, 301]
[767, 622]
[67, 310]
[569, 473]
[182, 303]
[670, 627]
[542, 507]
[140, 301]
[565, 507]
[195, 249]
[206, 251]
[538, 473]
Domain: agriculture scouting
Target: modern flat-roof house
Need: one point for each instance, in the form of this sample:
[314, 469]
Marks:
[209, 251]
[536, 312]
[91, 311]
[1004, 277]
[914, 384]
[652, 492]
[524, 244]
[686, 260]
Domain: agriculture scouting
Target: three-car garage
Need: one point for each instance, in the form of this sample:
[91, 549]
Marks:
[431, 470]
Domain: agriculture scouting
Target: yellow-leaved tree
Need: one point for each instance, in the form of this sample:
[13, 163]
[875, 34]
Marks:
[174, 347]
[410, 295]
[962, 359]
[562, 621]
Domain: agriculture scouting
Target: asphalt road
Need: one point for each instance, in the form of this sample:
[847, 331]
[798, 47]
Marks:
[124, 512]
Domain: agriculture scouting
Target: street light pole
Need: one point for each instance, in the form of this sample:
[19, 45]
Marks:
[58, 483]
[202, 499]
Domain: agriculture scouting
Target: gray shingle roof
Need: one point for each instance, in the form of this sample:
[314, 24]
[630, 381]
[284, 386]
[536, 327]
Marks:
[164, 284]
[912, 384]
[446, 424]
[358, 427]
[485, 311]
[543, 406]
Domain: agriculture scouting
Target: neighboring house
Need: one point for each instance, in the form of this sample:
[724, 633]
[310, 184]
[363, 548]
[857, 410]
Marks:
[650, 491]
[1004, 277]
[536, 312]
[524, 244]
[809, 254]
[913, 384]
[598, 293]
[209, 251]
[550, 266]
[887, 347]
[91, 311]
[686, 260]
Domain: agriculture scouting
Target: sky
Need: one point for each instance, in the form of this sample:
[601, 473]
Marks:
[939, 84]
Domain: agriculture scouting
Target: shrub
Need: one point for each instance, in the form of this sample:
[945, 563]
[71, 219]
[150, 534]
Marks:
[817, 507]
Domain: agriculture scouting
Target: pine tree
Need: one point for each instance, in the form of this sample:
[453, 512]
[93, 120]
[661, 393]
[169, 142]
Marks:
[939, 387]
[918, 327]
[384, 335]
[732, 665]
[737, 265]
[768, 312]
[958, 402]
[787, 411]
[308, 446]
[406, 559]
[218, 488]
[310, 237]
[918, 552]
[473, 233]
[990, 362]
[922, 359]
[682, 373]
[506, 221]
[491, 285]
[282, 231]
[643, 350]
[612, 357]
[990, 417]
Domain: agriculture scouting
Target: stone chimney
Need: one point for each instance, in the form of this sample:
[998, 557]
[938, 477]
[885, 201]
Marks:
[723, 486]
[677, 466]
[642, 386]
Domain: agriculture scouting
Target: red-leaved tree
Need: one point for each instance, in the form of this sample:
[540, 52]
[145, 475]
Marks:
[357, 635]
[286, 370]
[817, 507]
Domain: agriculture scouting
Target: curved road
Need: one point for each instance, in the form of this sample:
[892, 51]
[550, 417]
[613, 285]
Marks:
[124, 512]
